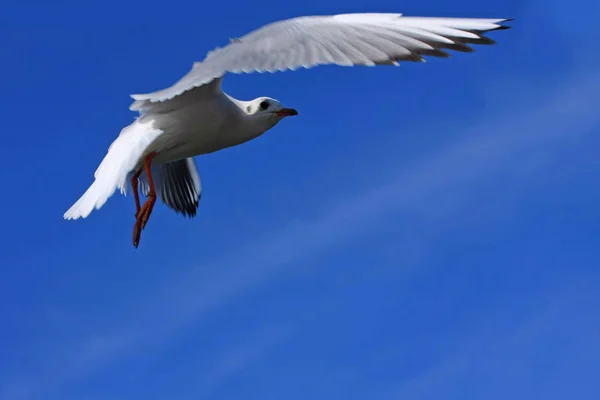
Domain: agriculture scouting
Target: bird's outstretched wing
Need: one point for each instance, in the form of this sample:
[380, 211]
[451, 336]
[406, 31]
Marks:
[122, 157]
[345, 39]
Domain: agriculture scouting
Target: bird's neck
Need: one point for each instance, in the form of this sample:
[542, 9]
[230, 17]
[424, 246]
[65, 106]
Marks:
[252, 126]
[239, 103]
[243, 126]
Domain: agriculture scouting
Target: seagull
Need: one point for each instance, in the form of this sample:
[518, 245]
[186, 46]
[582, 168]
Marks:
[155, 154]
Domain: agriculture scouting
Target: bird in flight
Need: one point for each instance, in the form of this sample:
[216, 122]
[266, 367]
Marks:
[194, 116]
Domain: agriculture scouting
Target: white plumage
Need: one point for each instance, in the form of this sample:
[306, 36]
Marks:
[194, 116]
[345, 39]
[122, 157]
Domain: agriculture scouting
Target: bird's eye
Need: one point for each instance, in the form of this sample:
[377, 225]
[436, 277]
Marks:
[264, 105]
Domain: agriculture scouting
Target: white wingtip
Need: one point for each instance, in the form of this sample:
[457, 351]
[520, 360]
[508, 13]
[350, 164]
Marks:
[121, 158]
[93, 198]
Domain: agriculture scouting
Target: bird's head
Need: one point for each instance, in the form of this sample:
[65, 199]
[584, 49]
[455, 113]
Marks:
[268, 111]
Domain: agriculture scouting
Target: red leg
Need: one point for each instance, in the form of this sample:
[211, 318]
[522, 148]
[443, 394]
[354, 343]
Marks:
[143, 212]
[149, 204]
[134, 188]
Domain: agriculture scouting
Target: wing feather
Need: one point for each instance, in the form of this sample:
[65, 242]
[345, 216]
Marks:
[177, 185]
[123, 156]
[344, 39]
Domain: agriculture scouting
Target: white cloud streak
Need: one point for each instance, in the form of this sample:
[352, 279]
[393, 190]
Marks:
[240, 356]
[499, 363]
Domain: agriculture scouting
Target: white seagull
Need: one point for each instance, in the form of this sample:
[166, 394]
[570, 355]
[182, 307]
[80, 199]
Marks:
[194, 116]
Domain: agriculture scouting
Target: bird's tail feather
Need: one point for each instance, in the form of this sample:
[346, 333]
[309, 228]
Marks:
[122, 157]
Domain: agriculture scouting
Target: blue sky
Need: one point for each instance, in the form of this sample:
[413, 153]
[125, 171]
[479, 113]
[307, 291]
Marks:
[421, 232]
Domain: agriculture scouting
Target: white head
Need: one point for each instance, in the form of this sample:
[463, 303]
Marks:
[267, 112]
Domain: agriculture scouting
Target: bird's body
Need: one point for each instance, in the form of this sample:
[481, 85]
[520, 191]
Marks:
[202, 126]
[194, 116]
[198, 122]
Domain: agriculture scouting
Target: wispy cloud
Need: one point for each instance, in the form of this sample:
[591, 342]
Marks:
[491, 146]
[240, 356]
[494, 363]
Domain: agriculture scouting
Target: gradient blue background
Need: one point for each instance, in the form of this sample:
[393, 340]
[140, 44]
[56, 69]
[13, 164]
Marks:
[423, 232]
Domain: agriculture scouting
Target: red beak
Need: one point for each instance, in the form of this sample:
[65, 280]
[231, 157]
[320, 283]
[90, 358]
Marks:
[286, 112]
